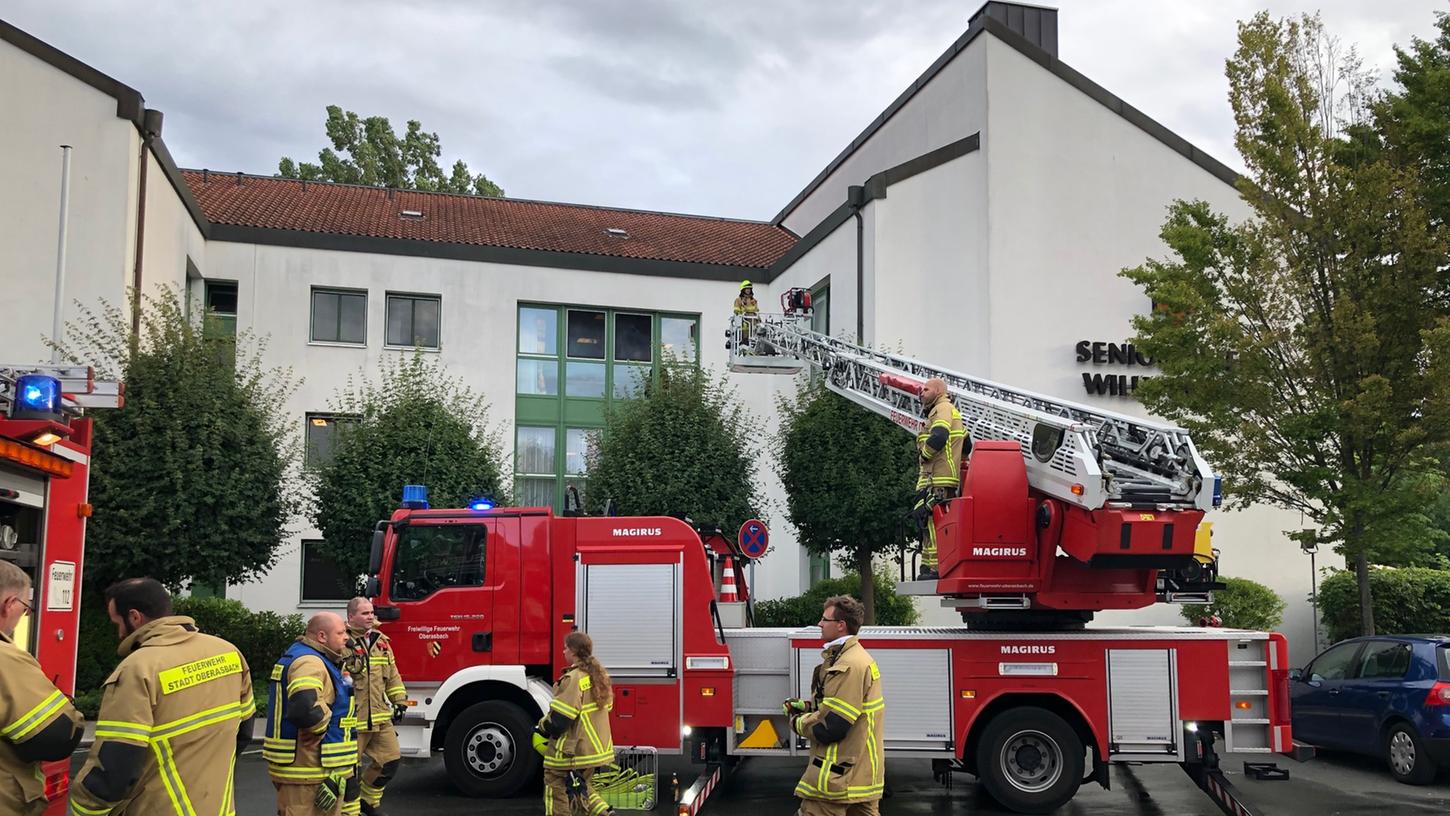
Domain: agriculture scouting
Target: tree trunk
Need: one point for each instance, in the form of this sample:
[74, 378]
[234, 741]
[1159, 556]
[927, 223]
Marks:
[868, 583]
[1366, 601]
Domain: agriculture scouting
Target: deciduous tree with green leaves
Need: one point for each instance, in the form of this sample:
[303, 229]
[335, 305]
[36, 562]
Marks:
[373, 153]
[410, 422]
[1415, 116]
[1307, 348]
[685, 446]
[192, 480]
[850, 480]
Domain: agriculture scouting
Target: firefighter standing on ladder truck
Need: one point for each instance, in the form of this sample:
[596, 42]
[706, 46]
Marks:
[381, 701]
[746, 306]
[843, 720]
[939, 477]
[174, 714]
[37, 721]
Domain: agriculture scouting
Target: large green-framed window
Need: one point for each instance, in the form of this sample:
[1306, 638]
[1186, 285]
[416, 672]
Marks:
[572, 363]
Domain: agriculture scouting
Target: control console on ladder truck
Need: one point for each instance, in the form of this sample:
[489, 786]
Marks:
[45, 447]
[1065, 510]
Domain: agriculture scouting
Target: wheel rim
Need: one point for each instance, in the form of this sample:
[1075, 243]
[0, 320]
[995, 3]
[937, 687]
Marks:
[489, 749]
[1402, 753]
[1031, 761]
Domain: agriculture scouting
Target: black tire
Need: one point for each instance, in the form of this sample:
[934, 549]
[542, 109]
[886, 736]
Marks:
[1030, 760]
[489, 750]
[1405, 754]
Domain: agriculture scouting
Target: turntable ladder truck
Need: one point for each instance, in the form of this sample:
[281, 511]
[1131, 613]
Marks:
[1065, 510]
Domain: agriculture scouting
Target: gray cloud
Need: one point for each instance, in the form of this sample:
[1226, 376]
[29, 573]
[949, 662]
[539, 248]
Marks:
[725, 108]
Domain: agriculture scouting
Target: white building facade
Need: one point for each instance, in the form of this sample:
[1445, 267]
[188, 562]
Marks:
[980, 223]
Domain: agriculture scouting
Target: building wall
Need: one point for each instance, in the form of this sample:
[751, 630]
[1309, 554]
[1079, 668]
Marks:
[952, 106]
[477, 341]
[49, 108]
[171, 238]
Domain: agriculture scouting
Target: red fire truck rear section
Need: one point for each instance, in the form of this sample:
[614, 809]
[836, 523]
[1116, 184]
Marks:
[477, 604]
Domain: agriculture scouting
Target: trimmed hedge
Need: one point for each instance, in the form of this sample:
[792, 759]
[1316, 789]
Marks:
[1413, 600]
[805, 610]
[1242, 604]
[261, 637]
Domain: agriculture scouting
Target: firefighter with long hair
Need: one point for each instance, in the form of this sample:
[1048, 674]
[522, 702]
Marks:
[574, 736]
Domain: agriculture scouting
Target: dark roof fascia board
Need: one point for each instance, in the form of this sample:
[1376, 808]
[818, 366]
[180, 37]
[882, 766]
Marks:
[178, 183]
[129, 104]
[475, 252]
[876, 187]
[976, 27]
[1060, 69]
[1114, 103]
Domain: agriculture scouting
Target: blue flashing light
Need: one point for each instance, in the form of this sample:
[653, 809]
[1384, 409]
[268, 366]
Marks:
[37, 396]
[415, 497]
[480, 505]
[1217, 491]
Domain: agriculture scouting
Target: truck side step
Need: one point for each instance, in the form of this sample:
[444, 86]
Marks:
[1265, 771]
[695, 796]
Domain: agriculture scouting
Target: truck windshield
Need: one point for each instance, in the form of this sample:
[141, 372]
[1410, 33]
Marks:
[436, 556]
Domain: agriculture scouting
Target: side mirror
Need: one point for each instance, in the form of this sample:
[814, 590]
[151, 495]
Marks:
[1296, 674]
[374, 587]
[375, 558]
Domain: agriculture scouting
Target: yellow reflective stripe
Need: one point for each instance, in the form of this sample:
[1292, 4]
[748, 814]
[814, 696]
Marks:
[842, 707]
[81, 810]
[564, 708]
[211, 716]
[592, 734]
[171, 778]
[32, 719]
[878, 704]
[382, 661]
[398, 689]
[308, 773]
[871, 741]
[228, 809]
[303, 683]
[117, 730]
[941, 423]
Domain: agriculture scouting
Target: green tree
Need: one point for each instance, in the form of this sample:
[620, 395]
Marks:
[192, 479]
[1307, 348]
[411, 424]
[373, 153]
[1415, 117]
[850, 481]
[684, 447]
[1242, 604]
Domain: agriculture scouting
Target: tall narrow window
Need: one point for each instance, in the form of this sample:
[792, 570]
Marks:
[413, 321]
[219, 321]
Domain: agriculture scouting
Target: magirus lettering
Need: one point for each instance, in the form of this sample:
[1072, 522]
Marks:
[1000, 552]
[638, 531]
[1029, 650]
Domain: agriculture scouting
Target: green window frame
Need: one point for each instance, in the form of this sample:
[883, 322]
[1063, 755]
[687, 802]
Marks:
[572, 362]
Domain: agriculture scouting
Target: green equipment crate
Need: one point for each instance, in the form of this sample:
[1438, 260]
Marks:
[631, 782]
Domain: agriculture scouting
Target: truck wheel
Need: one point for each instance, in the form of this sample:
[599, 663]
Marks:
[1030, 760]
[1406, 756]
[488, 750]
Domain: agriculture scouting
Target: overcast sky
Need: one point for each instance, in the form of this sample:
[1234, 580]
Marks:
[703, 106]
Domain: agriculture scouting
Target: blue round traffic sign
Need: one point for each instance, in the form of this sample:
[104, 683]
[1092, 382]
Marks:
[754, 538]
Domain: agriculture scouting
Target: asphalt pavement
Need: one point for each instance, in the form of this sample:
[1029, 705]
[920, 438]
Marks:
[1324, 786]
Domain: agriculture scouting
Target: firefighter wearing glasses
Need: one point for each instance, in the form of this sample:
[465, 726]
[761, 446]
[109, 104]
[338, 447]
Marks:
[381, 701]
[939, 475]
[843, 721]
[37, 722]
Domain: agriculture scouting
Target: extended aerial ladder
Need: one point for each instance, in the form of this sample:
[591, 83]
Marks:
[1064, 507]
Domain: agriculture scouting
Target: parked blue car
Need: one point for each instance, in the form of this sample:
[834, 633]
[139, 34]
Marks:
[1386, 696]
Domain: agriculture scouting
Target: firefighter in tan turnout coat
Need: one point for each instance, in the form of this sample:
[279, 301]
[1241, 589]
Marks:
[37, 722]
[574, 736]
[381, 701]
[174, 714]
[843, 721]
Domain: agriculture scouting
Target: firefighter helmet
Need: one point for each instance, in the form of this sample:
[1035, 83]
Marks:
[745, 284]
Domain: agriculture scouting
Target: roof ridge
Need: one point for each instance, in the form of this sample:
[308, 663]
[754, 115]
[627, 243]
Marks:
[373, 187]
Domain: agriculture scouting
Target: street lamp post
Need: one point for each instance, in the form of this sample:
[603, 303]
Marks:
[1309, 543]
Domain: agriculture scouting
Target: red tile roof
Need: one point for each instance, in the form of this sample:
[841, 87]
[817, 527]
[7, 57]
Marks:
[345, 209]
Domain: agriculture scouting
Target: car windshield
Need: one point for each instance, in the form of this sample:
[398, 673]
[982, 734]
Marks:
[1444, 654]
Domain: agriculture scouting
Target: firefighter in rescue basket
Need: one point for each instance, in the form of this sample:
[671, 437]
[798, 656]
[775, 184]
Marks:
[843, 721]
[574, 736]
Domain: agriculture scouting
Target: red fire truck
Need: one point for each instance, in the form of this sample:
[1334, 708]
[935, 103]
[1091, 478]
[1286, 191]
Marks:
[1065, 510]
[45, 447]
